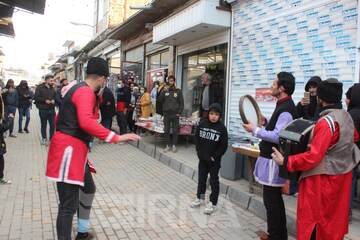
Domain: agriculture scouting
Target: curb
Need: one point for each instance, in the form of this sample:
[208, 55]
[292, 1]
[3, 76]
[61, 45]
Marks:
[245, 200]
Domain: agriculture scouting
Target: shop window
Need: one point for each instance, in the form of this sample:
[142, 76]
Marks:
[212, 61]
[159, 60]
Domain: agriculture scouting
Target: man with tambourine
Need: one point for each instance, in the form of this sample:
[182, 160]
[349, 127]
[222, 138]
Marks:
[325, 182]
[266, 171]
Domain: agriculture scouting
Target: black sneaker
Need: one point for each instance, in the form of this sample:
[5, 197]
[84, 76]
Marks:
[26, 130]
[84, 236]
[21, 131]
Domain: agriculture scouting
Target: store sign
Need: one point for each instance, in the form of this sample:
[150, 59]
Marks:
[264, 95]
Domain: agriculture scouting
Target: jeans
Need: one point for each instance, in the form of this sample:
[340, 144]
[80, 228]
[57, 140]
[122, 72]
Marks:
[24, 112]
[171, 127]
[204, 169]
[106, 122]
[275, 213]
[121, 121]
[9, 110]
[131, 121]
[45, 117]
[71, 200]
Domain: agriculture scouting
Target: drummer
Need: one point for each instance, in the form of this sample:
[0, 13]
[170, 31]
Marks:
[266, 172]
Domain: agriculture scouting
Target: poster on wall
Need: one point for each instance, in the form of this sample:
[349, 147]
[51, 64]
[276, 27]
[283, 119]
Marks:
[155, 75]
[264, 95]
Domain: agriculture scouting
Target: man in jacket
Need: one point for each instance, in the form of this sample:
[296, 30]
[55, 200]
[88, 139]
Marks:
[25, 99]
[77, 124]
[58, 99]
[325, 183]
[172, 104]
[211, 93]
[123, 97]
[45, 102]
[107, 108]
[266, 171]
[11, 102]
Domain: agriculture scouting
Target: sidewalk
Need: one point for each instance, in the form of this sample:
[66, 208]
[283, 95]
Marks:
[137, 198]
[185, 161]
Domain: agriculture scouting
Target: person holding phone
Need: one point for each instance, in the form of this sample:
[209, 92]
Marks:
[307, 108]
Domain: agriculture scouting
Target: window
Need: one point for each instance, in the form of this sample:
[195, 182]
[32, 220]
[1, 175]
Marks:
[158, 60]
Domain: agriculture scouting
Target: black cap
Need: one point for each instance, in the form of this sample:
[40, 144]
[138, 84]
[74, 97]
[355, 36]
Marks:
[97, 66]
[330, 90]
[215, 107]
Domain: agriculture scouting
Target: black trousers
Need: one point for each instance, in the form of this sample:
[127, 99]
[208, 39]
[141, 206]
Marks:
[275, 213]
[45, 117]
[171, 128]
[130, 121]
[204, 170]
[122, 123]
[2, 165]
[69, 204]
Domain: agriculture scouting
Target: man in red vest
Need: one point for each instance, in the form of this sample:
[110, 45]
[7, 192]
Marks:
[76, 126]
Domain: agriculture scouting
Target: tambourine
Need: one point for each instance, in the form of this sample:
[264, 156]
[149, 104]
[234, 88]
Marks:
[249, 110]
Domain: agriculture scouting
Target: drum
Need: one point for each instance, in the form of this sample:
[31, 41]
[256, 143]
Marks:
[295, 137]
[249, 110]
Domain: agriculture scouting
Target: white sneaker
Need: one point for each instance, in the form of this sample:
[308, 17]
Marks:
[210, 208]
[167, 148]
[174, 150]
[43, 141]
[197, 203]
[4, 181]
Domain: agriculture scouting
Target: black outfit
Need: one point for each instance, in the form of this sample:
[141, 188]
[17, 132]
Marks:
[172, 104]
[46, 111]
[4, 126]
[25, 99]
[123, 96]
[107, 108]
[354, 106]
[272, 196]
[69, 203]
[130, 113]
[158, 103]
[311, 111]
[211, 143]
[216, 95]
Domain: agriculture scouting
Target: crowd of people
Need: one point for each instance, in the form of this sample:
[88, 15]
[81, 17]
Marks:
[72, 111]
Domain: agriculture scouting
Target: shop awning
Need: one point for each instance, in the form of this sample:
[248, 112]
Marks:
[36, 6]
[159, 9]
[201, 19]
[6, 25]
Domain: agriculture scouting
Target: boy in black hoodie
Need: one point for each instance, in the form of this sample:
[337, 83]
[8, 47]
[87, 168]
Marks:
[211, 144]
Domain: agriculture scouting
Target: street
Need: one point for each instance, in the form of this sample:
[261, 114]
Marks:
[137, 197]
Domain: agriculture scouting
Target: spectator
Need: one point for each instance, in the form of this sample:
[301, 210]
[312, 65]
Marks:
[211, 144]
[172, 104]
[307, 108]
[160, 89]
[58, 99]
[131, 109]
[5, 124]
[11, 102]
[25, 99]
[211, 93]
[145, 103]
[45, 102]
[153, 95]
[107, 108]
[123, 96]
[353, 104]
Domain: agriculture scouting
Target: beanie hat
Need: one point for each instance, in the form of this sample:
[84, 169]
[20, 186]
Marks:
[97, 66]
[313, 81]
[215, 107]
[330, 90]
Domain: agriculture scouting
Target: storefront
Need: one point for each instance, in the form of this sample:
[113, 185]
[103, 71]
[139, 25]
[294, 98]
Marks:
[200, 33]
[306, 38]
[132, 67]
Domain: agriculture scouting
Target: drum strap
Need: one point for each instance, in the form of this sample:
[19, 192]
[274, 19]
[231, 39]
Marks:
[331, 123]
